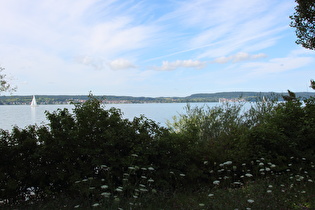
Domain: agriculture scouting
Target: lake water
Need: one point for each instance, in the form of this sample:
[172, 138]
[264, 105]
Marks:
[24, 115]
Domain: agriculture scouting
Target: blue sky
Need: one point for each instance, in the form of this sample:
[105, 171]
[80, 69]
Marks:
[151, 47]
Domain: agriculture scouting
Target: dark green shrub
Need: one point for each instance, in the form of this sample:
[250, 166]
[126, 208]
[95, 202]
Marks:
[48, 160]
[288, 131]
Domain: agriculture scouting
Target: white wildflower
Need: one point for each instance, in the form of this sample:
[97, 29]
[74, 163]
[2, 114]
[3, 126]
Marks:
[106, 194]
[119, 189]
[95, 204]
[227, 163]
[249, 175]
[216, 182]
[237, 183]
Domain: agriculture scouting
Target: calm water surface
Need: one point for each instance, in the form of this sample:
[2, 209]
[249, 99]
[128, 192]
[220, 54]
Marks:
[24, 115]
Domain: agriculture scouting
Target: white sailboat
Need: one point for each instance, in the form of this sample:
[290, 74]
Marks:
[33, 103]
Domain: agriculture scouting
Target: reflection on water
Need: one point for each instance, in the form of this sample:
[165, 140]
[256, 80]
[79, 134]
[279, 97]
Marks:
[33, 114]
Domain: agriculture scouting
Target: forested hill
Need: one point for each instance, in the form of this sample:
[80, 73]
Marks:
[200, 97]
[250, 96]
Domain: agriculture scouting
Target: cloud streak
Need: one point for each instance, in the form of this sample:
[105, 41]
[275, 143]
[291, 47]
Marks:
[121, 64]
[244, 26]
[170, 66]
[241, 56]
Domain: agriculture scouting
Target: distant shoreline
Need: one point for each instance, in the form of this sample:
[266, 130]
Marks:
[110, 99]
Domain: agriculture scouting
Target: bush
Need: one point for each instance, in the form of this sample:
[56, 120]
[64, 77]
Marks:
[48, 160]
[96, 156]
[269, 129]
[288, 131]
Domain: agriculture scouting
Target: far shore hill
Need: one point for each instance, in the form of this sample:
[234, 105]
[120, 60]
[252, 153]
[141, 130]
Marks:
[110, 99]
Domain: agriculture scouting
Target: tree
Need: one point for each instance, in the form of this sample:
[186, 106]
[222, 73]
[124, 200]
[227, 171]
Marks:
[4, 85]
[303, 21]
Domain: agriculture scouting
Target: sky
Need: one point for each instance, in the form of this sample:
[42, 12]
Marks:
[151, 48]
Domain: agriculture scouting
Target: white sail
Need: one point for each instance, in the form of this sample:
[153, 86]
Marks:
[33, 103]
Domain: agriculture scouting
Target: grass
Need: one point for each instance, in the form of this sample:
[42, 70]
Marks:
[282, 196]
[259, 186]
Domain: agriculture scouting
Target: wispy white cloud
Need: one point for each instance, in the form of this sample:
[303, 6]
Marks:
[96, 63]
[240, 24]
[273, 74]
[120, 64]
[169, 66]
[75, 27]
[276, 65]
[241, 56]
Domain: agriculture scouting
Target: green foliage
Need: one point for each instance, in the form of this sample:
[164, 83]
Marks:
[288, 131]
[221, 131]
[303, 21]
[49, 159]
[268, 129]
[94, 155]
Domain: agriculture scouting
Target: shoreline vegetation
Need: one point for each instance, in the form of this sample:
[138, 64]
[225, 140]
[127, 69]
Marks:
[109, 99]
[208, 158]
